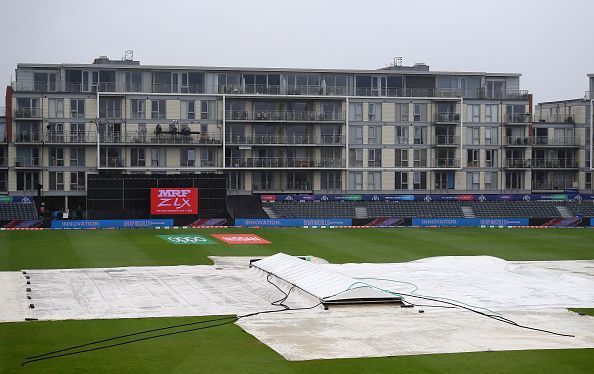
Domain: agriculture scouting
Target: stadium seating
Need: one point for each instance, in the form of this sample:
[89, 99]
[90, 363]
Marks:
[585, 209]
[21, 211]
[445, 209]
[532, 209]
[422, 209]
[314, 210]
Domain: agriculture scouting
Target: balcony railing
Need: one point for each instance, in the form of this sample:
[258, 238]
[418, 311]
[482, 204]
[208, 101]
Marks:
[285, 139]
[517, 163]
[446, 163]
[283, 162]
[27, 137]
[27, 112]
[112, 162]
[560, 163]
[556, 118]
[546, 185]
[261, 89]
[517, 118]
[20, 162]
[447, 117]
[446, 140]
[3, 161]
[483, 93]
[267, 186]
[565, 141]
[518, 141]
[284, 116]
[110, 113]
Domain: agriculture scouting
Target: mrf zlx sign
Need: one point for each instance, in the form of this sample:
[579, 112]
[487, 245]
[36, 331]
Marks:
[166, 201]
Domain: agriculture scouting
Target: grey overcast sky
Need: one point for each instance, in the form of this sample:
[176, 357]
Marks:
[549, 42]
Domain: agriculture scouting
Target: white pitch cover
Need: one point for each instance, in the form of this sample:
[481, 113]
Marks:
[326, 285]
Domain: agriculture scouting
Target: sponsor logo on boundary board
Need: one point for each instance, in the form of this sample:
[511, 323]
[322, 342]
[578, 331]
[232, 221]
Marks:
[186, 239]
[241, 238]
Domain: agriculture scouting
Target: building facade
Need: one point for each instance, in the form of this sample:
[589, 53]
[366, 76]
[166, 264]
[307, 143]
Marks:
[392, 130]
[562, 143]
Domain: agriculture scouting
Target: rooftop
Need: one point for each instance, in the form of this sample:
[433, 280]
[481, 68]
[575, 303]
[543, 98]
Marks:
[105, 63]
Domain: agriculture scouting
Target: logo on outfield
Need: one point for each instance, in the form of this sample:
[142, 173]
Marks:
[186, 239]
[241, 238]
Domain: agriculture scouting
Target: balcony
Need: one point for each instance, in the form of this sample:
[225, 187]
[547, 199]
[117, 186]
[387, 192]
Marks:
[560, 163]
[2, 111]
[28, 113]
[110, 113]
[545, 141]
[447, 118]
[446, 140]
[556, 118]
[517, 163]
[289, 186]
[112, 162]
[548, 185]
[446, 163]
[283, 162]
[142, 137]
[25, 162]
[27, 137]
[483, 93]
[285, 139]
[283, 116]
[517, 118]
[518, 141]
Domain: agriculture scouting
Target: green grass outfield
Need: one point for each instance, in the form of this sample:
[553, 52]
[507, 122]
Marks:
[228, 348]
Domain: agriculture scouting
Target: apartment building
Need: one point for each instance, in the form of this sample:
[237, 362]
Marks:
[562, 143]
[399, 129]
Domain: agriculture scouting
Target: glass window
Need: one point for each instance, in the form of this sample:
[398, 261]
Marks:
[490, 180]
[473, 180]
[401, 158]
[77, 156]
[490, 158]
[77, 181]
[473, 158]
[420, 134]
[375, 158]
[374, 180]
[331, 180]
[138, 157]
[356, 180]
[420, 112]
[492, 113]
[401, 134]
[402, 112]
[420, 158]
[420, 180]
[374, 135]
[158, 109]
[473, 113]
[138, 108]
[56, 181]
[401, 180]
[473, 135]
[56, 156]
[77, 108]
[374, 112]
[188, 109]
[56, 108]
[356, 111]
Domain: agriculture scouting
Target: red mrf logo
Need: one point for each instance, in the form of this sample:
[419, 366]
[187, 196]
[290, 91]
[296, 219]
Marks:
[165, 201]
[174, 193]
[241, 238]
